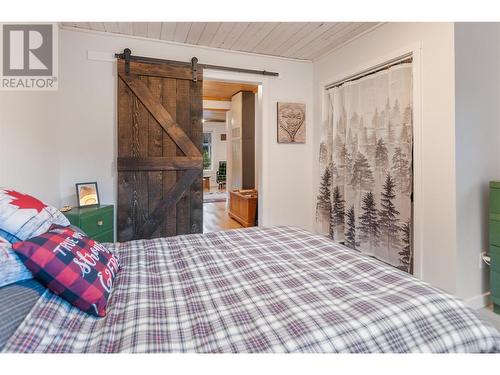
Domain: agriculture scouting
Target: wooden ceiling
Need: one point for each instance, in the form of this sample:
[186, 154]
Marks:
[214, 115]
[217, 91]
[214, 90]
[299, 40]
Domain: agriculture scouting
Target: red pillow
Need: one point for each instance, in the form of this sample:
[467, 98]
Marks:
[73, 266]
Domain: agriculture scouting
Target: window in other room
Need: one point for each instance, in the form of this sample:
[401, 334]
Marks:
[207, 151]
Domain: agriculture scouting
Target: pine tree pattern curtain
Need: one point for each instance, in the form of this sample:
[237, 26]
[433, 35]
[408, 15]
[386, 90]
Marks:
[365, 158]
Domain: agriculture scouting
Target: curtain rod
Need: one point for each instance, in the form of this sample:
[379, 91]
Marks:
[127, 55]
[378, 68]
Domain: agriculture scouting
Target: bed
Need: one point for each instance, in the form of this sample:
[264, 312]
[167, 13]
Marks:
[274, 289]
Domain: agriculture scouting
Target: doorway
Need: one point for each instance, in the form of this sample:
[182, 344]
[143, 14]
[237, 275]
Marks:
[229, 169]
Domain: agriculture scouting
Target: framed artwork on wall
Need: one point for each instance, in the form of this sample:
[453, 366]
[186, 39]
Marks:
[291, 123]
[87, 194]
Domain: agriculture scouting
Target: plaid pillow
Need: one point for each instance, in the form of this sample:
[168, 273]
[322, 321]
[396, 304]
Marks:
[12, 269]
[23, 216]
[73, 266]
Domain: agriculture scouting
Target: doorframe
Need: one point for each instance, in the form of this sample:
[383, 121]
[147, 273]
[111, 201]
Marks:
[262, 106]
[415, 50]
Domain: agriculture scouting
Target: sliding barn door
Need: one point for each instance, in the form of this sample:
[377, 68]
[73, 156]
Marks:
[159, 150]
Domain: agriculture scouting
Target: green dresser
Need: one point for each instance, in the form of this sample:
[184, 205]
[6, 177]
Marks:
[494, 241]
[96, 221]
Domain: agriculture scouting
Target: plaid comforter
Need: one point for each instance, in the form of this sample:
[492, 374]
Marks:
[275, 289]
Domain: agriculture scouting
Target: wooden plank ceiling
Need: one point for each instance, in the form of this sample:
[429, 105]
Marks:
[221, 91]
[215, 90]
[298, 40]
[210, 115]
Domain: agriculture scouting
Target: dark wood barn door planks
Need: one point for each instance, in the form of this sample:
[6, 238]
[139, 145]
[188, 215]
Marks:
[159, 150]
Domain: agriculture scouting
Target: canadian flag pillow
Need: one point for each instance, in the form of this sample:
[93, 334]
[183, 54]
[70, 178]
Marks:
[73, 266]
[23, 216]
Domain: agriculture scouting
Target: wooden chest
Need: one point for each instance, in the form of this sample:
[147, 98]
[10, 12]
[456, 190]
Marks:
[243, 206]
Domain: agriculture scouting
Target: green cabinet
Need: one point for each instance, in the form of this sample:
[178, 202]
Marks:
[494, 242]
[96, 221]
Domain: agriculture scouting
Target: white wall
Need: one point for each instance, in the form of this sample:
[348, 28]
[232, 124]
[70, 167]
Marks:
[29, 144]
[437, 162]
[477, 103]
[219, 148]
[87, 91]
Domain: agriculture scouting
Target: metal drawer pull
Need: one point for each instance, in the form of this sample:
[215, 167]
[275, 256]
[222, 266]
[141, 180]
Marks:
[100, 223]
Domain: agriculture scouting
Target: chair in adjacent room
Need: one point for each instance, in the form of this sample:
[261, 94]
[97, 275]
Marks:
[221, 174]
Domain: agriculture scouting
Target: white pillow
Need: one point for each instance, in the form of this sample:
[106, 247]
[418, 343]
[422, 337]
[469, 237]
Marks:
[11, 268]
[23, 216]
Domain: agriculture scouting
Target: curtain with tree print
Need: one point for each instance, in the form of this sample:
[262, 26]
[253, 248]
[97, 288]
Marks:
[365, 158]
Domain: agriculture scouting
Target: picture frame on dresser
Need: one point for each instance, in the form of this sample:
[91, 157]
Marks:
[87, 194]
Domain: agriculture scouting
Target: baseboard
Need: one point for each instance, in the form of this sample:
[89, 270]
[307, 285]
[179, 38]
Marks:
[479, 301]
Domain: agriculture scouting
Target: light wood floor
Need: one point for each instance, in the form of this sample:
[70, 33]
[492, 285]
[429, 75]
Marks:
[216, 218]
[214, 189]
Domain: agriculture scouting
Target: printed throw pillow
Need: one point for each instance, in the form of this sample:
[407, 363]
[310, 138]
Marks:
[12, 269]
[73, 266]
[23, 216]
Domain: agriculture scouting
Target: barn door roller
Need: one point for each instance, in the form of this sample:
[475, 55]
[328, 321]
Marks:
[194, 68]
[127, 56]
